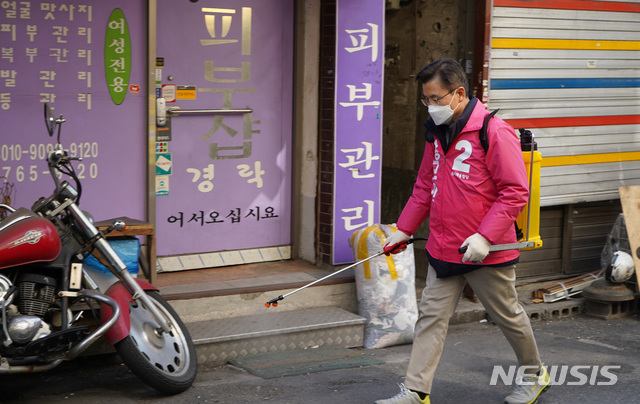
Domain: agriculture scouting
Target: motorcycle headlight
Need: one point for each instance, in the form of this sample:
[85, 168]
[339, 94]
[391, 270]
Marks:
[88, 215]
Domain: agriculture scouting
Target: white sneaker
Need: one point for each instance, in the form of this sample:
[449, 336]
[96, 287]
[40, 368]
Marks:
[528, 388]
[405, 396]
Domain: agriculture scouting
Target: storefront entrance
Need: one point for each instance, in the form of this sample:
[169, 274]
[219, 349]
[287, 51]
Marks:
[223, 151]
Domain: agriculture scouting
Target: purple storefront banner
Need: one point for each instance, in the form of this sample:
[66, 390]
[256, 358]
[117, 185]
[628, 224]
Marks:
[71, 55]
[358, 120]
[230, 182]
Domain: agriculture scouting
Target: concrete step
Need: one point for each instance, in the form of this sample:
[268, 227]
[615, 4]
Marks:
[218, 341]
[251, 301]
[228, 318]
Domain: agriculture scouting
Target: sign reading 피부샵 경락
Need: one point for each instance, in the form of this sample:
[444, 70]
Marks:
[230, 182]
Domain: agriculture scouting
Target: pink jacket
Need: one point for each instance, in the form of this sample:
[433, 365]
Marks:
[467, 191]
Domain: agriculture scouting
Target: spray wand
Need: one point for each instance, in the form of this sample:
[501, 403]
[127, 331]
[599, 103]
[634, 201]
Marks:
[274, 302]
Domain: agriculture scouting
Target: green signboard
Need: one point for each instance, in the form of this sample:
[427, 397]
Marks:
[117, 56]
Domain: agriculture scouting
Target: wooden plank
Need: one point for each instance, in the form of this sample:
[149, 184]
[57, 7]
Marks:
[546, 261]
[546, 270]
[545, 253]
[583, 265]
[630, 199]
[591, 225]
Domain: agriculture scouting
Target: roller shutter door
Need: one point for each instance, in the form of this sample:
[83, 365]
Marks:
[569, 70]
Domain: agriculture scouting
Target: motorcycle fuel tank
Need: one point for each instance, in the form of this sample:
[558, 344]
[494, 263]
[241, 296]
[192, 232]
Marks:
[26, 238]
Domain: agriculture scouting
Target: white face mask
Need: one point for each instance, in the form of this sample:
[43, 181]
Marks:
[442, 114]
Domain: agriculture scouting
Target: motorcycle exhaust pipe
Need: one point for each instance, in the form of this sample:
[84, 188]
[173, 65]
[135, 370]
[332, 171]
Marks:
[6, 369]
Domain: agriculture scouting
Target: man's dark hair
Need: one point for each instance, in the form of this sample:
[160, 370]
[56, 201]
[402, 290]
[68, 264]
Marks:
[448, 71]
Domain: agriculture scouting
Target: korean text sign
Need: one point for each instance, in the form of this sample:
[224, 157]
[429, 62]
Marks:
[75, 56]
[358, 120]
[230, 181]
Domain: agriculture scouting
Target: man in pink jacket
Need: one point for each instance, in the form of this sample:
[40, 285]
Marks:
[472, 199]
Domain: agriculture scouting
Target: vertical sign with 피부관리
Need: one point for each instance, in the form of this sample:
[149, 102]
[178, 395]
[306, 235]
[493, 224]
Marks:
[358, 121]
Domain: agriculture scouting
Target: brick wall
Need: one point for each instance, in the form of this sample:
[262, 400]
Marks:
[326, 129]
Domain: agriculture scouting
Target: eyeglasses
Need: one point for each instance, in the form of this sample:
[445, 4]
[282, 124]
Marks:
[433, 101]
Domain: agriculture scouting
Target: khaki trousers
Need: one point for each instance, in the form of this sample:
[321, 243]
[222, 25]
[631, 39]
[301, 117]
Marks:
[495, 287]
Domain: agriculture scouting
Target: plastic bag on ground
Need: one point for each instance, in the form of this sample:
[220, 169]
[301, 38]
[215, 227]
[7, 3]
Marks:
[617, 240]
[385, 288]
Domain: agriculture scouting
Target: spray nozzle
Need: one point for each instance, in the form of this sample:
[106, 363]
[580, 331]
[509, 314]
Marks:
[274, 302]
[526, 140]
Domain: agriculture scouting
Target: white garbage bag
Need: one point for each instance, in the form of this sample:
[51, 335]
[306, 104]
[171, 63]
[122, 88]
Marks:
[386, 289]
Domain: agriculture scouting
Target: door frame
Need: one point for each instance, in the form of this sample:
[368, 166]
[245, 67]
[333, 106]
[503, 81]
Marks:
[305, 122]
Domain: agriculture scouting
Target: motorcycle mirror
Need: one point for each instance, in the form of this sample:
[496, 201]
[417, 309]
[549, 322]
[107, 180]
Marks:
[49, 119]
[52, 121]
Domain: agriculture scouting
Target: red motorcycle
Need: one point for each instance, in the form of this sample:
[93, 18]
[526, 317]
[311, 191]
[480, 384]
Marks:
[51, 307]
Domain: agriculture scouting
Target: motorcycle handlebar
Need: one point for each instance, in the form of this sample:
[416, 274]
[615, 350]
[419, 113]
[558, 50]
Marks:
[56, 156]
[59, 163]
[60, 156]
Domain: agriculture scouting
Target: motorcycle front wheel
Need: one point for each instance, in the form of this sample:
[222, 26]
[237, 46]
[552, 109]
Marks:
[165, 361]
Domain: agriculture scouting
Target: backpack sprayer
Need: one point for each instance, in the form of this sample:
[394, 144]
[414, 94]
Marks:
[529, 219]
